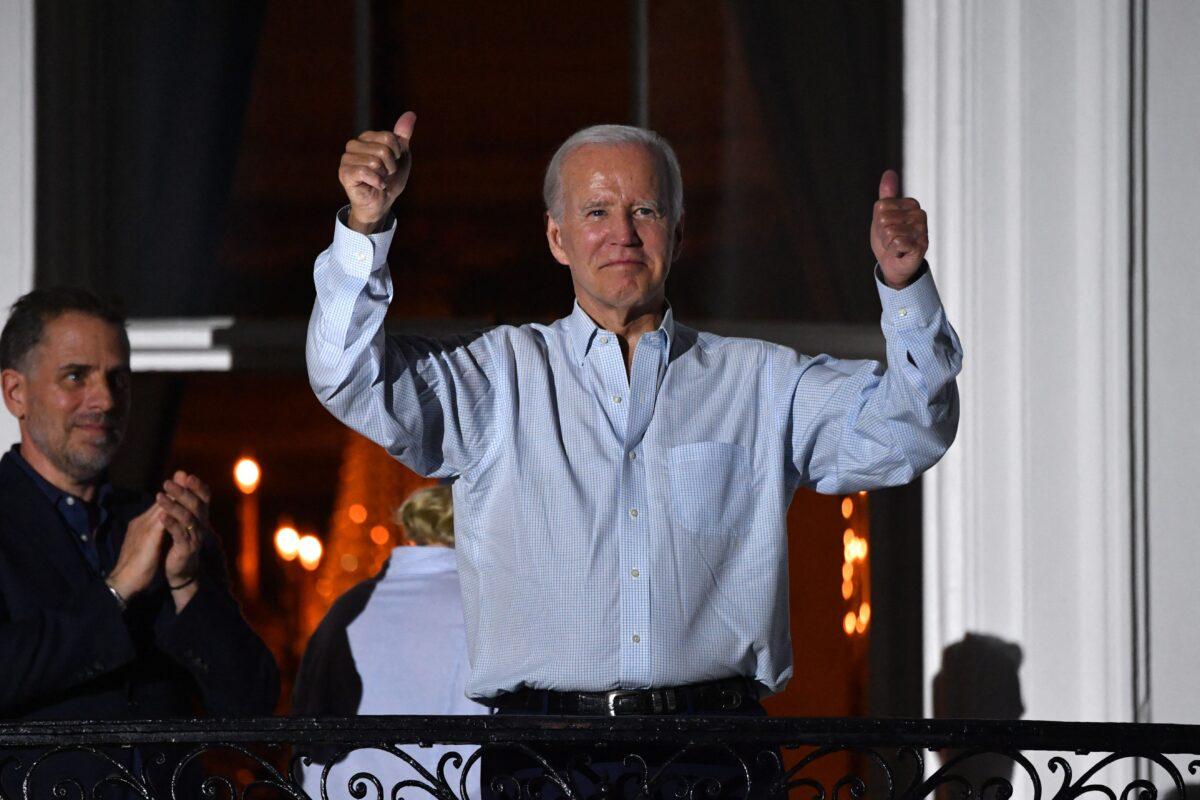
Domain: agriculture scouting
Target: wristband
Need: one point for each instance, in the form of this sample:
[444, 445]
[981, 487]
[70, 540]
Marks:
[121, 601]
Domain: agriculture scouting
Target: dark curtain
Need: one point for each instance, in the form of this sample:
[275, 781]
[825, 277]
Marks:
[828, 81]
[139, 116]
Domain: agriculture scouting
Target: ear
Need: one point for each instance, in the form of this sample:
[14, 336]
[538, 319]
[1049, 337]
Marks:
[13, 385]
[554, 239]
[678, 237]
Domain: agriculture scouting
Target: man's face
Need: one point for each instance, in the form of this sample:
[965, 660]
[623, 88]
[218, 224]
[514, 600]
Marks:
[615, 233]
[72, 395]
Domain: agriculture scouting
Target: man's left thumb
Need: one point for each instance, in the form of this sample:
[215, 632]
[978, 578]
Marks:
[889, 185]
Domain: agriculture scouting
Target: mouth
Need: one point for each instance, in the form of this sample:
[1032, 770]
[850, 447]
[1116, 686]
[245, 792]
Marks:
[97, 429]
[626, 262]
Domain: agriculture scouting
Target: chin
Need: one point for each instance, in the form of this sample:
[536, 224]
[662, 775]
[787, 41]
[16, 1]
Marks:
[92, 459]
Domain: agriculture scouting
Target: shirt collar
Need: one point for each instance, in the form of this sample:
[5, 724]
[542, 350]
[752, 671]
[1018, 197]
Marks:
[54, 494]
[582, 330]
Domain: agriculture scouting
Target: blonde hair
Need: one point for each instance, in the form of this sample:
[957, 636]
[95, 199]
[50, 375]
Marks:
[428, 516]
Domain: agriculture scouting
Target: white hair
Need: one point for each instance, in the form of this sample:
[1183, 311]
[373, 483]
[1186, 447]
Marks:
[552, 190]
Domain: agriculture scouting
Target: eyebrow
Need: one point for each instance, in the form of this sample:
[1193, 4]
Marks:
[80, 367]
[597, 202]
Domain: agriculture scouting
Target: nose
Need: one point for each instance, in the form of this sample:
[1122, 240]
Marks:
[103, 394]
[624, 232]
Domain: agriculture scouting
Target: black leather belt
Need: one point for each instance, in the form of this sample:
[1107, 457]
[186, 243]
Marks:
[713, 697]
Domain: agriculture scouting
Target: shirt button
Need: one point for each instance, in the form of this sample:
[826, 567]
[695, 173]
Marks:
[632, 455]
[903, 312]
[617, 398]
[635, 572]
[70, 501]
[636, 639]
[633, 513]
[360, 257]
[603, 340]
[83, 536]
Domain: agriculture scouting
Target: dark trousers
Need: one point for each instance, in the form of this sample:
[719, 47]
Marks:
[627, 771]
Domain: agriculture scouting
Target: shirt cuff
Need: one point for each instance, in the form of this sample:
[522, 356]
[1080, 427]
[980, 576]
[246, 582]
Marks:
[915, 306]
[358, 254]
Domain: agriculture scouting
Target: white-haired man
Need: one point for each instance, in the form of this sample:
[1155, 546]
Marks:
[623, 480]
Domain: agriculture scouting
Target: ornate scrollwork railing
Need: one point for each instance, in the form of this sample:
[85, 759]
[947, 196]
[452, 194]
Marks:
[412, 758]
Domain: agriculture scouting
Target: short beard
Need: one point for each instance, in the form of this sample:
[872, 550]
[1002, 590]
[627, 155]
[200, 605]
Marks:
[80, 466]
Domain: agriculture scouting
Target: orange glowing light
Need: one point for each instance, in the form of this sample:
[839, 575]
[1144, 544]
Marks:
[358, 513]
[324, 587]
[246, 474]
[849, 550]
[847, 589]
[847, 508]
[310, 551]
[380, 535]
[287, 542]
[861, 626]
[862, 549]
[847, 571]
[849, 623]
[349, 562]
[864, 613]
[848, 536]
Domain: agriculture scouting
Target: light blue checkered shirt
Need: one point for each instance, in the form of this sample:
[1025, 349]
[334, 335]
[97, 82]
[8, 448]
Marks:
[619, 532]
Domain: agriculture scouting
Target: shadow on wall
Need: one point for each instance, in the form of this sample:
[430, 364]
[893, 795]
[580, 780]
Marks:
[978, 680]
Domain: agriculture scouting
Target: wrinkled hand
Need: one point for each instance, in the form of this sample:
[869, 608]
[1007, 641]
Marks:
[899, 233]
[184, 501]
[141, 553]
[374, 171]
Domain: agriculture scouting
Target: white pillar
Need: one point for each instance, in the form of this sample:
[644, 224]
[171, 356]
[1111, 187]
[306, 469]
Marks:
[17, 155]
[1172, 339]
[1016, 141]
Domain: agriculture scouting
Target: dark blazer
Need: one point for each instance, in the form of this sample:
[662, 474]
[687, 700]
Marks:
[68, 652]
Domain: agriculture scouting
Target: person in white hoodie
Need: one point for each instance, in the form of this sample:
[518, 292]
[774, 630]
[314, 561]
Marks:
[393, 644]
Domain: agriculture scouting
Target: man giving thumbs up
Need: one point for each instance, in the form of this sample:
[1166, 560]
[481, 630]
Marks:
[623, 479]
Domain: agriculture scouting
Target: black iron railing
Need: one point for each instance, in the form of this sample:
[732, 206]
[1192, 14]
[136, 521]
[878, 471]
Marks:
[394, 758]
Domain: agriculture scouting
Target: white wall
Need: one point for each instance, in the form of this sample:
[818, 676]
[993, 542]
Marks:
[1065, 518]
[1016, 142]
[16, 164]
[1173, 356]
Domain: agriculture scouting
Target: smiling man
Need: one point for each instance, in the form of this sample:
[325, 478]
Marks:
[622, 479]
[113, 604]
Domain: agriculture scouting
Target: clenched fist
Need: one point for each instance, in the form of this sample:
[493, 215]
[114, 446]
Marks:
[374, 171]
[899, 233]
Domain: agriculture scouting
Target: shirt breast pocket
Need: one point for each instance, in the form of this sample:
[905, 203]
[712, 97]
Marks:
[710, 491]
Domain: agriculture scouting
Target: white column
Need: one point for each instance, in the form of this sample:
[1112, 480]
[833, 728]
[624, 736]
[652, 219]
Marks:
[17, 155]
[1016, 141]
[1172, 342]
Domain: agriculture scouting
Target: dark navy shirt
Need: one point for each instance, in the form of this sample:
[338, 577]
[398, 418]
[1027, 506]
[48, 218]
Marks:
[86, 522]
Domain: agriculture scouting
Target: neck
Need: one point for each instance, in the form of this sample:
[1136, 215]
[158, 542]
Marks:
[85, 490]
[627, 324]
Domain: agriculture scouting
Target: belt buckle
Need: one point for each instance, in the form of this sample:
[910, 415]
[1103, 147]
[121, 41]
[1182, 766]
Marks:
[611, 698]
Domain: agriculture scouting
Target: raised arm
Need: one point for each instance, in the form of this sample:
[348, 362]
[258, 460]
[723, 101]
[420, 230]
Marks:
[427, 402]
[856, 425]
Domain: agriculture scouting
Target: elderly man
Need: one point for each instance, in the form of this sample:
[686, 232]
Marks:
[113, 605]
[623, 479]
